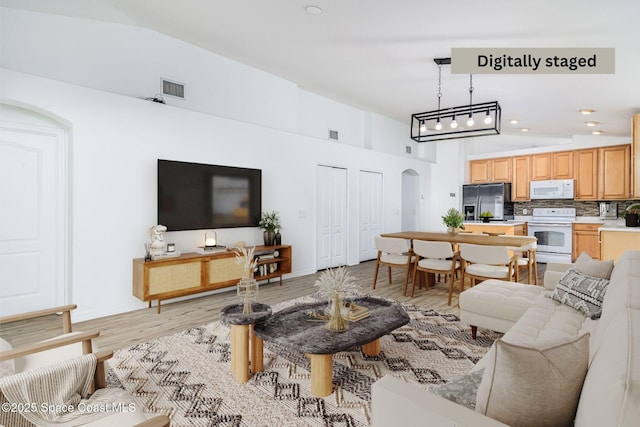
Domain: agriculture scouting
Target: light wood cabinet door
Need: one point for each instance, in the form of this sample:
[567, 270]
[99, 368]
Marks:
[501, 169]
[585, 172]
[541, 166]
[614, 172]
[585, 239]
[479, 171]
[520, 186]
[562, 163]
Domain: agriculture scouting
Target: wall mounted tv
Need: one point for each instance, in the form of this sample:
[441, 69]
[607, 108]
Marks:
[193, 196]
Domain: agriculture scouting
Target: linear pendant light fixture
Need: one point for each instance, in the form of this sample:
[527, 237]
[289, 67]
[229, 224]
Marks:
[476, 119]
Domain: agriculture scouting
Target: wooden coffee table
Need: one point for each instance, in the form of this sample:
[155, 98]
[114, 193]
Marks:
[292, 328]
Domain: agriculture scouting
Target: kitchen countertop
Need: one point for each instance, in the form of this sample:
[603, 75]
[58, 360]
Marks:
[507, 223]
[619, 227]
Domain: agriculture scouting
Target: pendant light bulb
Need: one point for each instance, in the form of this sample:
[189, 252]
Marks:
[423, 126]
[454, 124]
[470, 121]
[487, 119]
[438, 125]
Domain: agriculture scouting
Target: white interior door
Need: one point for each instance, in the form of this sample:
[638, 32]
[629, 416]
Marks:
[370, 213]
[331, 217]
[32, 219]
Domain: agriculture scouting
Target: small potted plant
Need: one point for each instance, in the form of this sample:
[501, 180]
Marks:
[486, 216]
[632, 215]
[453, 220]
[270, 224]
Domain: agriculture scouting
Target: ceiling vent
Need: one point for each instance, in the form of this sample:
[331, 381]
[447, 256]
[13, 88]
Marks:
[333, 134]
[172, 89]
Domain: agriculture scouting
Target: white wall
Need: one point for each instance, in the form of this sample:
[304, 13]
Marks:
[115, 143]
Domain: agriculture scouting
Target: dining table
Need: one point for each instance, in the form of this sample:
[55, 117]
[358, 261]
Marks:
[476, 239]
[473, 238]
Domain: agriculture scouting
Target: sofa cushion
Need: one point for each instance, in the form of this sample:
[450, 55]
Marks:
[587, 265]
[534, 385]
[461, 390]
[582, 292]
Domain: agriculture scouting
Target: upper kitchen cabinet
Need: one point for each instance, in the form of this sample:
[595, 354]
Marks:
[585, 171]
[614, 172]
[562, 165]
[635, 165]
[540, 166]
[490, 170]
[557, 165]
[520, 184]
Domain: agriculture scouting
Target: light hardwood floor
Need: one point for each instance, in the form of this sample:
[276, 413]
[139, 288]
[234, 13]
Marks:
[123, 330]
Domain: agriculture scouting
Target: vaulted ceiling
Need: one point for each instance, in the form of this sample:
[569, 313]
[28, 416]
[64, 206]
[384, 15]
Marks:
[378, 55]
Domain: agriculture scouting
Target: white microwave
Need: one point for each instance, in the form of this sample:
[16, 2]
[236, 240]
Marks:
[552, 189]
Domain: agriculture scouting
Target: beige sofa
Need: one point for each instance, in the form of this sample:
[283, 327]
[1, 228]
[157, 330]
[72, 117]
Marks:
[609, 394]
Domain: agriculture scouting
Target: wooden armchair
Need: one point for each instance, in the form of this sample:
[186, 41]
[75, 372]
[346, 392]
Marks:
[60, 348]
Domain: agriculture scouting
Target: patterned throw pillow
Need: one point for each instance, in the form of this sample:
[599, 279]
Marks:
[461, 390]
[582, 292]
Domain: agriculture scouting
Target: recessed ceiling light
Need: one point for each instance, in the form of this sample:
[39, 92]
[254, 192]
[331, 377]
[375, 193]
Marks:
[587, 111]
[591, 124]
[596, 132]
[314, 10]
[524, 129]
[514, 121]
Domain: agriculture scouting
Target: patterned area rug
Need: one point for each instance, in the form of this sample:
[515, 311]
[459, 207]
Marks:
[187, 375]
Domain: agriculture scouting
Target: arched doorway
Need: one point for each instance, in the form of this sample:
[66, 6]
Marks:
[33, 214]
[410, 201]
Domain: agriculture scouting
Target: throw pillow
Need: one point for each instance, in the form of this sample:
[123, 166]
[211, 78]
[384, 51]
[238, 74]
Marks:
[582, 292]
[587, 265]
[461, 390]
[537, 385]
[7, 367]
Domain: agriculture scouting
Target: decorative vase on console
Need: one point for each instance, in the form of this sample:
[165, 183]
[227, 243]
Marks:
[270, 223]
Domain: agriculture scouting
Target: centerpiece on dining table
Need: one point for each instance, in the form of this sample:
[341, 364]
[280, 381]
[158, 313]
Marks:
[453, 220]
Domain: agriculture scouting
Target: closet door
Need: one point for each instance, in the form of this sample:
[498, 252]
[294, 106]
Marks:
[331, 217]
[370, 213]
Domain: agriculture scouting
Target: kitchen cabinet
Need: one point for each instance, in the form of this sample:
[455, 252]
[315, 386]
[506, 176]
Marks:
[540, 166]
[562, 165]
[635, 148]
[585, 239]
[614, 171]
[520, 185]
[490, 170]
[614, 243]
[585, 172]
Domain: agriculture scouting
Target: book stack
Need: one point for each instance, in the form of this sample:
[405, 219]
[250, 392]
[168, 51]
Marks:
[356, 312]
[165, 255]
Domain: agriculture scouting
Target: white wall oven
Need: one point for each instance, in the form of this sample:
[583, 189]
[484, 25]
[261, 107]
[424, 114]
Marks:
[552, 228]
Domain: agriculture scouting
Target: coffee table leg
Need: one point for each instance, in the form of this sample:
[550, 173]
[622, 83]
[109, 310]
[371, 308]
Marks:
[372, 348]
[240, 352]
[257, 358]
[321, 374]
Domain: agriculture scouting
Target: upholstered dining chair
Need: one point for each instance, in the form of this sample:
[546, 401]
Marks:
[394, 253]
[526, 259]
[435, 258]
[480, 262]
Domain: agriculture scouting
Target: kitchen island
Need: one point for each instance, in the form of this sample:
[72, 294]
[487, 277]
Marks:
[616, 239]
[509, 228]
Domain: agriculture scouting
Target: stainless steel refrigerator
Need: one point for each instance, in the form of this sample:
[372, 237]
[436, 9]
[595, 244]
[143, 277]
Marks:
[494, 197]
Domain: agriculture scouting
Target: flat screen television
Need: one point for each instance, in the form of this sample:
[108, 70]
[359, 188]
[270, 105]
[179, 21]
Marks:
[193, 196]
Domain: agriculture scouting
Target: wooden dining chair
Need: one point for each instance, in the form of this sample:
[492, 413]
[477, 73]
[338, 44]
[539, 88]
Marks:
[394, 253]
[435, 258]
[481, 262]
[526, 259]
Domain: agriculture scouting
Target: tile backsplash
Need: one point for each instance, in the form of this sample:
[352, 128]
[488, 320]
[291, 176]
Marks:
[583, 208]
